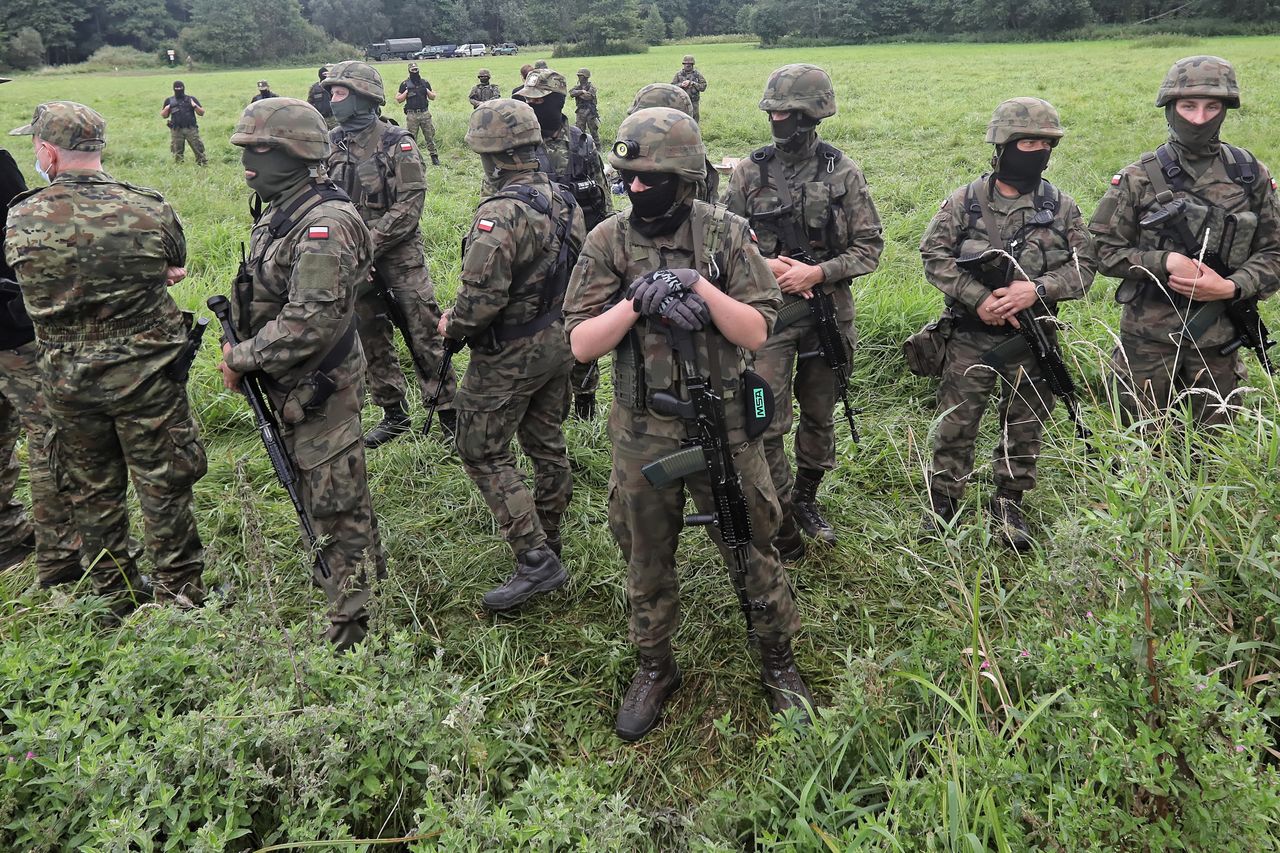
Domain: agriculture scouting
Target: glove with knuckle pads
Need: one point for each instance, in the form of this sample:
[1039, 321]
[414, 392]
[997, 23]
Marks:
[689, 313]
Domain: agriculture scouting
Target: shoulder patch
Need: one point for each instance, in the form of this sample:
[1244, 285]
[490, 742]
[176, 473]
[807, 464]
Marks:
[485, 225]
[1273, 184]
[406, 145]
[1115, 179]
[752, 232]
[318, 232]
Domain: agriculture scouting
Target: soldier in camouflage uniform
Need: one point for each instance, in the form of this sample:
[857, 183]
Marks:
[692, 82]
[94, 256]
[804, 197]
[181, 111]
[379, 167]
[587, 105]
[727, 298]
[484, 90]
[318, 97]
[570, 158]
[294, 309]
[515, 265]
[1174, 329]
[1040, 226]
[416, 94]
[667, 95]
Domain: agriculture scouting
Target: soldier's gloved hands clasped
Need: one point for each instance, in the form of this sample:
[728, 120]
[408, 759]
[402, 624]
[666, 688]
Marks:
[690, 312]
[647, 292]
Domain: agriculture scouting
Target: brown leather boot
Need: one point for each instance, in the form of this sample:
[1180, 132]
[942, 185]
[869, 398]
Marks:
[656, 678]
[782, 680]
[789, 542]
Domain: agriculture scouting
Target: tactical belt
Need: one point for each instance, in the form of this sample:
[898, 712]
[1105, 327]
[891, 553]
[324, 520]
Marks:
[970, 323]
[334, 357]
[55, 333]
[516, 331]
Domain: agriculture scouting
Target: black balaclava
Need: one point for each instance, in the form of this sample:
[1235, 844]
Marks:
[323, 73]
[178, 89]
[355, 112]
[550, 114]
[1196, 141]
[415, 76]
[277, 172]
[796, 134]
[1020, 169]
[662, 209]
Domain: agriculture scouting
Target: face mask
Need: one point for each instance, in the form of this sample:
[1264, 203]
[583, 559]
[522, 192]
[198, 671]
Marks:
[42, 173]
[549, 113]
[1199, 139]
[178, 92]
[1021, 169]
[415, 76]
[277, 172]
[654, 201]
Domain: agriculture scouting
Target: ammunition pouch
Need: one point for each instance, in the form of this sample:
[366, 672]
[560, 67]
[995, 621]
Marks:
[926, 350]
[757, 403]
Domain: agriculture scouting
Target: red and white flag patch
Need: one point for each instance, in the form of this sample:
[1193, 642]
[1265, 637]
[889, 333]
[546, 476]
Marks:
[1115, 179]
[318, 232]
[752, 232]
[1273, 184]
[406, 145]
[485, 225]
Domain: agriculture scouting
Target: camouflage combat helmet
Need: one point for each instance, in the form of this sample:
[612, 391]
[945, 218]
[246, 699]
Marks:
[500, 125]
[542, 82]
[483, 73]
[584, 72]
[541, 63]
[360, 77]
[1023, 118]
[289, 124]
[662, 95]
[1200, 77]
[688, 59]
[660, 139]
[801, 88]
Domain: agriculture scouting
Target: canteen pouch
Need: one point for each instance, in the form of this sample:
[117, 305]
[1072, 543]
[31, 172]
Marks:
[757, 403]
[1238, 230]
[307, 396]
[926, 350]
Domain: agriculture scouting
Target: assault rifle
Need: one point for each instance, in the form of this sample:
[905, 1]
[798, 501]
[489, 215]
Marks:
[269, 432]
[398, 319]
[706, 450]
[179, 370]
[451, 347]
[1251, 332]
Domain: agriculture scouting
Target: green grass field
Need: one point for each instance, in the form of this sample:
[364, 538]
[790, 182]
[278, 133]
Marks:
[976, 700]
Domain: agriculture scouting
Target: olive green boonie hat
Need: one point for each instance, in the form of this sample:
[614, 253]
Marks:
[1024, 118]
[542, 82]
[66, 125]
[1200, 77]
[289, 124]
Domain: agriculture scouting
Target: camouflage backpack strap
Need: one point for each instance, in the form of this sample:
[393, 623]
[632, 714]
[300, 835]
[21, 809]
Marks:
[831, 155]
[706, 246]
[1164, 172]
[1241, 166]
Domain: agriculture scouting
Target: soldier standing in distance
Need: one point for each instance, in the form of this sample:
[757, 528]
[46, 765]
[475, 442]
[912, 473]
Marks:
[264, 92]
[570, 158]
[378, 165]
[1173, 327]
[728, 300]
[416, 94]
[484, 90]
[309, 255]
[587, 105]
[804, 197]
[318, 97]
[181, 111]
[107, 330]
[693, 83]
[515, 265]
[1040, 226]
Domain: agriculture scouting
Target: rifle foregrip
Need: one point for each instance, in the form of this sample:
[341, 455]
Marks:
[675, 466]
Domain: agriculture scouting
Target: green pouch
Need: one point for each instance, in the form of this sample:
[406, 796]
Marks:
[926, 350]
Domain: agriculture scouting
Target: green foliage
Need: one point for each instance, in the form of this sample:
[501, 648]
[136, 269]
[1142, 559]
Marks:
[236, 32]
[26, 49]
[609, 48]
[679, 28]
[652, 27]
[601, 21]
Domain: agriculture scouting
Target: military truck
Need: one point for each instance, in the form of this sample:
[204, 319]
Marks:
[381, 51]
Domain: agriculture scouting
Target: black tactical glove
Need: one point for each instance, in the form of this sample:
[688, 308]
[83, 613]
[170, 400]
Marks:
[689, 312]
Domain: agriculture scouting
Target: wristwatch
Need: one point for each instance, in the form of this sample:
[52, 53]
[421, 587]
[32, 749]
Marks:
[1041, 291]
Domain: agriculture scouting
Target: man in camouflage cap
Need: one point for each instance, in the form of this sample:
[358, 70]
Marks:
[692, 82]
[416, 94]
[516, 260]
[809, 204]
[673, 97]
[181, 110]
[1041, 228]
[94, 257]
[1194, 195]
[294, 310]
[318, 97]
[570, 158]
[379, 167]
[587, 106]
[677, 262]
[484, 90]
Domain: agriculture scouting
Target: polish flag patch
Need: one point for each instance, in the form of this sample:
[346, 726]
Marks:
[752, 232]
[1273, 184]
[406, 145]
[318, 232]
[485, 225]
[1115, 179]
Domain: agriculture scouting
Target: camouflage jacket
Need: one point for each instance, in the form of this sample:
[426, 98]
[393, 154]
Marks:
[715, 242]
[571, 158]
[830, 205]
[301, 301]
[695, 77]
[382, 171]
[481, 93]
[1060, 256]
[585, 98]
[318, 97]
[1125, 249]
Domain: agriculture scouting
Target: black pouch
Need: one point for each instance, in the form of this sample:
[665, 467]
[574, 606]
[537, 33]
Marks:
[757, 403]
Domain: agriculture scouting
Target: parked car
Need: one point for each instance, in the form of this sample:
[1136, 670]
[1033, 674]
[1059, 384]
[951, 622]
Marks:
[436, 51]
[506, 49]
[472, 50]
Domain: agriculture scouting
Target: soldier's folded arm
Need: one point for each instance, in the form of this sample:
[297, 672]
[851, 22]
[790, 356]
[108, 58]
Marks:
[1073, 279]
[486, 274]
[938, 248]
[866, 234]
[173, 238]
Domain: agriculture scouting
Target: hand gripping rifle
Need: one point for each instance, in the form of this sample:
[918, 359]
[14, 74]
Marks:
[269, 432]
[706, 450]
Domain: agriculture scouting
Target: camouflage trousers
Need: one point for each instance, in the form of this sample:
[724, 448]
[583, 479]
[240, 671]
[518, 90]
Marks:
[510, 395]
[1152, 377]
[1024, 407]
[646, 522]
[97, 442]
[697, 116]
[420, 120]
[405, 270]
[588, 122]
[329, 454]
[585, 378]
[179, 137]
[57, 540]
[811, 384]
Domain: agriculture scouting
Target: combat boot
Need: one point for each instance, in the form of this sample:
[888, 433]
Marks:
[551, 527]
[435, 159]
[537, 571]
[656, 678]
[782, 680]
[941, 512]
[584, 406]
[68, 574]
[347, 635]
[804, 503]
[125, 599]
[1007, 521]
[395, 423]
[18, 552]
[789, 542]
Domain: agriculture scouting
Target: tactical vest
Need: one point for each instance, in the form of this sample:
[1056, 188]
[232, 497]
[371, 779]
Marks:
[318, 97]
[806, 230]
[182, 112]
[417, 100]
[578, 180]
[366, 182]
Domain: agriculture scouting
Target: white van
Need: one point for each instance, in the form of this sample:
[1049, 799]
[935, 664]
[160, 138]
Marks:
[471, 50]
